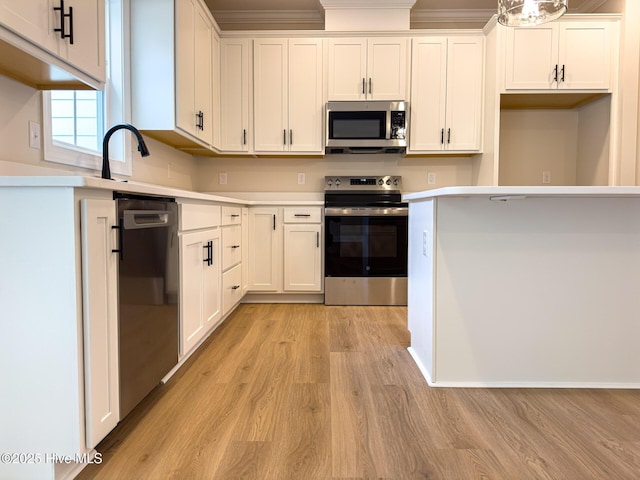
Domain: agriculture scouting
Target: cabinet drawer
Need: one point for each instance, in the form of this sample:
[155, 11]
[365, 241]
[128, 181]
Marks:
[231, 246]
[193, 216]
[231, 215]
[303, 215]
[231, 288]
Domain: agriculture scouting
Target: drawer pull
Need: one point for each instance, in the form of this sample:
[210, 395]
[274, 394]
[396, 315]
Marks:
[302, 215]
[234, 215]
[235, 246]
[235, 287]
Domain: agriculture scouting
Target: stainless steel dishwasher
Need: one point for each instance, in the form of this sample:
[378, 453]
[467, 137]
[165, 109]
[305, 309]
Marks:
[148, 294]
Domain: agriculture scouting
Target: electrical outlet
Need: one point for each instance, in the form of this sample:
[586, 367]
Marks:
[34, 135]
[431, 178]
[301, 179]
[222, 178]
[546, 176]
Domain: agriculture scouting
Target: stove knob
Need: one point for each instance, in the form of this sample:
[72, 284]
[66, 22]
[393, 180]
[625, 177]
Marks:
[388, 181]
[329, 182]
[395, 182]
[337, 182]
[381, 182]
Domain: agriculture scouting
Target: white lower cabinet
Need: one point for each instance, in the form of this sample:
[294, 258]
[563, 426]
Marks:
[200, 269]
[285, 256]
[232, 253]
[100, 318]
[231, 288]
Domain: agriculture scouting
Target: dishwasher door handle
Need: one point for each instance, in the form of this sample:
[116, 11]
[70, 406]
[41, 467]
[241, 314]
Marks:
[137, 219]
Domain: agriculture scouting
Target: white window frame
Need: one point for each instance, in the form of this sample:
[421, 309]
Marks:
[117, 102]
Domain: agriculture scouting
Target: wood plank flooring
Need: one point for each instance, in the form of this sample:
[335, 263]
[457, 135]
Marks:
[317, 392]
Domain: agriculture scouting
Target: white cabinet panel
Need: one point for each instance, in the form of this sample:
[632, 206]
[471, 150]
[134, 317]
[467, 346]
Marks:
[303, 257]
[265, 245]
[368, 68]
[231, 246]
[234, 102]
[200, 272]
[446, 94]
[231, 288]
[100, 318]
[288, 95]
[567, 55]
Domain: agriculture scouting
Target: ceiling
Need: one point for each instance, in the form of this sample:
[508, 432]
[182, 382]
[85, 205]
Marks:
[309, 14]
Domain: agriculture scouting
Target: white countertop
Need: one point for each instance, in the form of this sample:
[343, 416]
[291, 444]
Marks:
[242, 198]
[508, 193]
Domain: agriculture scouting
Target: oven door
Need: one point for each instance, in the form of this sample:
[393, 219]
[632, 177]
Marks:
[366, 242]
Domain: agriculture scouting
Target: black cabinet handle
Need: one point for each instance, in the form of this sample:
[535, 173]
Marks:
[209, 248]
[63, 17]
[235, 246]
[555, 74]
[370, 87]
[200, 120]
[244, 136]
[301, 214]
[442, 136]
[234, 215]
[120, 248]
[363, 83]
[235, 287]
[291, 137]
[274, 222]
[562, 75]
[317, 239]
[449, 135]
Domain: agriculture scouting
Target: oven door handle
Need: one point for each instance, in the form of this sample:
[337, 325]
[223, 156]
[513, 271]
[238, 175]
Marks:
[366, 211]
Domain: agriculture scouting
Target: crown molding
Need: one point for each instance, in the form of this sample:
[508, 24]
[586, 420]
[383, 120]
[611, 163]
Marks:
[269, 17]
[367, 4]
[427, 15]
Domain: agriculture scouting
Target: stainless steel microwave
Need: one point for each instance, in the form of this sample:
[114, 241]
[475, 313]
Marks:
[366, 127]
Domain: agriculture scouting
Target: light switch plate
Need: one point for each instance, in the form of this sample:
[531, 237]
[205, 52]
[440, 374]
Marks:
[34, 135]
[301, 179]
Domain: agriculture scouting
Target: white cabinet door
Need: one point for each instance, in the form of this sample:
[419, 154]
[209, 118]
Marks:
[203, 76]
[584, 55]
[31, 19]
[234, 102]
[288, 95]
[428, 94]
[306, 104]
[532, 56]
[465, 68]
[100, 318]
[87, 52]
[215, 88]
[368, 69]
[185, 65]
[199, 286]
[446, 94]
[387, 69]
[565, 55]
[270, 88]
[194, 33]
[265, 245]
[347, 68]
[303, 257]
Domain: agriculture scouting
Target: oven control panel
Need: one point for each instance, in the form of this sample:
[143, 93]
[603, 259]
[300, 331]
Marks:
[384, 183]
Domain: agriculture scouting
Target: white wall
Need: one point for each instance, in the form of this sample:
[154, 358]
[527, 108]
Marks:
[533, 141]
[592, 165]
[20, 104]
[280, 174]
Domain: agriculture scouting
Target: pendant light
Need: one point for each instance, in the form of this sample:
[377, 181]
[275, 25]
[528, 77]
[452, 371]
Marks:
[523, 13]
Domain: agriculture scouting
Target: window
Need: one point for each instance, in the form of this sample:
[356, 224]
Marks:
[74, 121]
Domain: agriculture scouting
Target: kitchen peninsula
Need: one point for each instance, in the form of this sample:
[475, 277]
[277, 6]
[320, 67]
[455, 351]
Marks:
[525, 286]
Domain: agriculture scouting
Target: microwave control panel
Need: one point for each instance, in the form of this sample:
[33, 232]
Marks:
[398, 125]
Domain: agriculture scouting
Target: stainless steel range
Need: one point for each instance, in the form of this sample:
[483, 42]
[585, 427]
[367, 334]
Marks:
[366, 230]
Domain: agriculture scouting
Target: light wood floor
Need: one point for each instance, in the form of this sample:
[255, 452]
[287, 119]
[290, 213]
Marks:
[316, 392]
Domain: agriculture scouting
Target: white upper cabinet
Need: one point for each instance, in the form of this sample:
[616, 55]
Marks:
[368, 68]
[194, 70]
[568, 55]
[172, 71]
[446, 94]
[73, 31]
[288, 95]
[234, 97]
